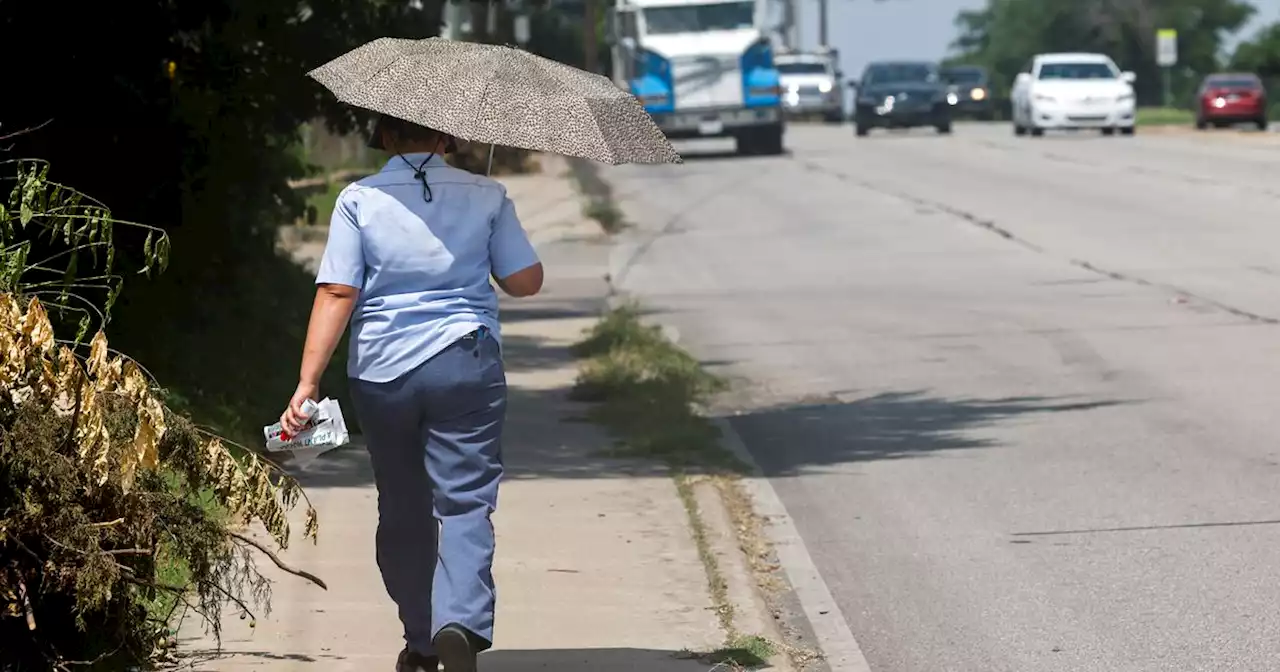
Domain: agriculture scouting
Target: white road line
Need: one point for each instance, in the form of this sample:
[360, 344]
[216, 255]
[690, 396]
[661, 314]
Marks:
[839, 648]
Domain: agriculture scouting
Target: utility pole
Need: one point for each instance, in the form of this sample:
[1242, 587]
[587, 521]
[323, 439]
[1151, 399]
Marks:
[590, 44]
[822, 23]
[793, 23]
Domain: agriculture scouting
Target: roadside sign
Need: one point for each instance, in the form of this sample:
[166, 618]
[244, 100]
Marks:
[1166, 48]
[521, 29]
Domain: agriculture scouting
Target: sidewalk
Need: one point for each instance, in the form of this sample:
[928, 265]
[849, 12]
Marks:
[596, 566]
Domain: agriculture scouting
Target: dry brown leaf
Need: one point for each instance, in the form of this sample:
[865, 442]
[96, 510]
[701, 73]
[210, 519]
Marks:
[36, 329]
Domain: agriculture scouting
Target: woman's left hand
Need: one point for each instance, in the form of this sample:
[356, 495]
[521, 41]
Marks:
[293, 418]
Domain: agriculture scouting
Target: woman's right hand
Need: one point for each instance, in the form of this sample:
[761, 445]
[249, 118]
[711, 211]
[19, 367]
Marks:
[293, 419]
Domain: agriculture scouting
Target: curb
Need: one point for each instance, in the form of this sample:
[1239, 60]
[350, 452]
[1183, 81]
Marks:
[752, 611]
[751, 614]
[835, 640]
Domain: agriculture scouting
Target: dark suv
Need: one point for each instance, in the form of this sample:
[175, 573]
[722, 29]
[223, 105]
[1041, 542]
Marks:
[902, 94]
[972, 89]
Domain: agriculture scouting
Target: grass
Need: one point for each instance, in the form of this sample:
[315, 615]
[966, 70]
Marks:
[647, 392]
[605, 213]
[599, 203]
[170, 569]
[1164, 116]
[747, 651]
[716, 584]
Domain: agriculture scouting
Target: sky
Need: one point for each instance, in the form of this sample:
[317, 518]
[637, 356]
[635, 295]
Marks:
[869, 30]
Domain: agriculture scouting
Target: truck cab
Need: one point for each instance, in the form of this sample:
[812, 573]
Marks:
[702, 68]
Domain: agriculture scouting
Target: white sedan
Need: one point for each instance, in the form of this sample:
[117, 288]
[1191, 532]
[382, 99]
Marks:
[1073, 91]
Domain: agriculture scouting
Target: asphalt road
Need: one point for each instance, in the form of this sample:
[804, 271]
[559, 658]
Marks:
[1019, 395]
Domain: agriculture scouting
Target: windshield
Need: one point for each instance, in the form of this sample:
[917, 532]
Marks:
[1093, 70]
[1232, 83]
[900, 73]
[964, 76]
[802, 68]
[699, 18]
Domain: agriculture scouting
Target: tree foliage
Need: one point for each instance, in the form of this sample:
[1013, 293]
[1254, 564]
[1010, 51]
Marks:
[1261, 54]
[1006, 33]
[102, 487]
[184, 115]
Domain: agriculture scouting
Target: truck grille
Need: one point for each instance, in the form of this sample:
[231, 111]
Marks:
[707, 81]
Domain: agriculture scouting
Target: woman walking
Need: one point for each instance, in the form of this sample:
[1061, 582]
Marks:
[408, 263]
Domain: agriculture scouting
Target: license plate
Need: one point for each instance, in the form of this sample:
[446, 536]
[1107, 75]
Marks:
[1233, 98]
[710, 126]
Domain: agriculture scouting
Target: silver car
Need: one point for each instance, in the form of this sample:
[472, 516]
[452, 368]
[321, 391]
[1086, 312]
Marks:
[810, 85]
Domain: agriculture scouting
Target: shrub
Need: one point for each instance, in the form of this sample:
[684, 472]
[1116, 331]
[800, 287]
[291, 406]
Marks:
[113, 508]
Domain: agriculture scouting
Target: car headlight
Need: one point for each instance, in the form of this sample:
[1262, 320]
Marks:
[824, 87]
[978, 94]
[1040, 97]
[952, 98]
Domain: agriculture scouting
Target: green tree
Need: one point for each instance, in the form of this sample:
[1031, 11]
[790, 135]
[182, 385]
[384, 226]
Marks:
[1005, 33]
[183, 115]
[1261, 54]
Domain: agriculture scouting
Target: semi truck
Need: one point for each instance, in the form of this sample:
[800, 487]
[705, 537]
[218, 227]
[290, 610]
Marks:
[702, 68]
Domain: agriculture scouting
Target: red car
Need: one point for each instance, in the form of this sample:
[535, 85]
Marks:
[1227, 98]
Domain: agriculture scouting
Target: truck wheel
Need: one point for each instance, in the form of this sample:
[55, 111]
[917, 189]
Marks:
[770, 141]
[861, 130]
[944, 128]
[1261, 123]
[1036, 132]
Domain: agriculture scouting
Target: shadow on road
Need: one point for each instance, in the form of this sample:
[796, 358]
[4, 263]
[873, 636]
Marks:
[560, 660]
[786, 440]
[726, 154]
[889, 426]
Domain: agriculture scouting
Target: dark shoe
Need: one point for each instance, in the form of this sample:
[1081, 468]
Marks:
[411, 661]
[456, 649]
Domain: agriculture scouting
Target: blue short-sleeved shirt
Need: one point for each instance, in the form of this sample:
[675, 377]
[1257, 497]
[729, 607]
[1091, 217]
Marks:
[422, 268]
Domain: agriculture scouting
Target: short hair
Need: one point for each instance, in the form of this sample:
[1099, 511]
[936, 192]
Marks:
[406, 130]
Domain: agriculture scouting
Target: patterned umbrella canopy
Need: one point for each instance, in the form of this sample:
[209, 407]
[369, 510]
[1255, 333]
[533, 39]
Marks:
[498, 95]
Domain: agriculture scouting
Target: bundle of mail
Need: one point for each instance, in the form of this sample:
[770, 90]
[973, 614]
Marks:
[325, 430]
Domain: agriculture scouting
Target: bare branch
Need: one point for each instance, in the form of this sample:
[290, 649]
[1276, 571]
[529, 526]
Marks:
[278, 562]
[33, 129]
[26, 604]
[127, 551]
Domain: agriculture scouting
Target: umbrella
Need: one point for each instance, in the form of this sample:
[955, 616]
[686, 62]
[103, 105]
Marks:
[498, 95]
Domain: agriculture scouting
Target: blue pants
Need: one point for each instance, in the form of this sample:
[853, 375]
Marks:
[434, 436]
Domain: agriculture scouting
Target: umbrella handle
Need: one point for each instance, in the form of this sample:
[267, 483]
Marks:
[489, 170]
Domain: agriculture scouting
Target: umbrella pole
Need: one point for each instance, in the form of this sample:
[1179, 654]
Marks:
[489, 170]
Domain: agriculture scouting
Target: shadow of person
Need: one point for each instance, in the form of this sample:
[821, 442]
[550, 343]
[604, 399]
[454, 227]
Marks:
[590, 660]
